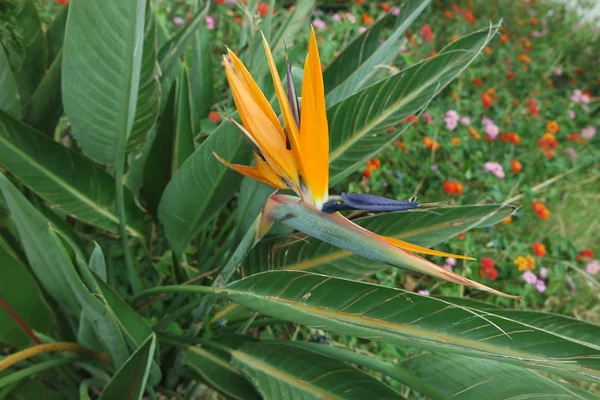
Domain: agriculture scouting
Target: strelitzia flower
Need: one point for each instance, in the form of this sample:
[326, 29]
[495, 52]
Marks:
[294, 154]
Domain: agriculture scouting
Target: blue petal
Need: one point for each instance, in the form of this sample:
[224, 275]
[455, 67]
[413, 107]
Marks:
[368, 202]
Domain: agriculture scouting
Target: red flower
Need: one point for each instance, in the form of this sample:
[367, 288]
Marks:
[538, 249]
[453, 188]
[401, 146]
[477, 82]
[487, 263]
[541, 210]
[62, 2]
[461, 236]
[409, 119]
[532, 107]
[214, 117]
[469, 17]
[510, 75]
[427, 33]
[262, 9]
[487, 270]
[486, 99]
[585, 253]
[386, 7]
[516, 166]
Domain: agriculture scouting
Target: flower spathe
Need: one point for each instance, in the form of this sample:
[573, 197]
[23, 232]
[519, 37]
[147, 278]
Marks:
[294, 154]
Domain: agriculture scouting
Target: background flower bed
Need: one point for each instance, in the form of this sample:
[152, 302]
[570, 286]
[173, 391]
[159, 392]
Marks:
[518, 126]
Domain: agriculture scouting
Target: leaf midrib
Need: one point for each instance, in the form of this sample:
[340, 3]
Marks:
[78, 195]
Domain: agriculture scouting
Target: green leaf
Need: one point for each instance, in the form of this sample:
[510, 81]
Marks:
[48, 263]
[359, 61]
[46, 102]
[21, 295]
[33, 65]
[102, 60]
[130, 380]
[404, 318]
[199, 62]
[9, 93]
[281, 371]
[63, 177]
[157, 169]
[452, 376]
[55, 34]
[358, 124]
[213, 366]
[421, 227]
[183, 145]
[290, 27]
[202, 186]
[148, 99]
[252, 199]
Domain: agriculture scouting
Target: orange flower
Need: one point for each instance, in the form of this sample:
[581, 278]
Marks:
[575, 137]
[453, 188]
[525, 263]
[474, 133]
[507, 220]
[469, 17]
[238, 20]
[262, 9]
[487, 50]
[578, 70]
[455, 141]
[538, 249]
[516, 166]
[448, 14]
[410, 119]
[527, 46]
[461, 236]
[361, 2]
[433, 53]
[541, 210]
[477, 82]
[486, 99]
[524, 58]
[401, 146]
[386, 7]
[492, 94]
[504, 38]
[214, 117]
[430, 143]
[548, 143]
[552, 127]
[510, 138]
[373, 164]
[454, 39]
[534, 21]
[520, 22]
[366, 19]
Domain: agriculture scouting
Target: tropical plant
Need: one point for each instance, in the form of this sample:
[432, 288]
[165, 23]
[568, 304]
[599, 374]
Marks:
[134, 262]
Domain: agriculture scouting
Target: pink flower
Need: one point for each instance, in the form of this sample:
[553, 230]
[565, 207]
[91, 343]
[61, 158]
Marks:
[337, 17]
[492, 131]
[495, 169]
[572, 154]
[319, 24]
[588, 132]
[178, 21]
[395, 11]
[579, 97]
[451, 261]
[351, 18]
[543, 273]
[486, 121]
[423, 292]
[362, 29]
[593, 267]
[572, 114]
[558, 71]
[540, 286]
[428, 118]
[529, 277]
[465, 121]
[210, 23]
[451, 119]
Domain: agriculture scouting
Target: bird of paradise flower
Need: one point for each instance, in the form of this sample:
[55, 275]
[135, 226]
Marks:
[295, 155]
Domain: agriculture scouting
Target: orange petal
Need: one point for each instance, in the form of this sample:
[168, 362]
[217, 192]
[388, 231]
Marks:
[423, 250]
[270, 179]
[268, 137]
[314, 132]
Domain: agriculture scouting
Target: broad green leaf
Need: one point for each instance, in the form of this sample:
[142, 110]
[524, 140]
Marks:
[136, 162]
[21, 294]
[452, 376]
[183, 145]
[421, 227]
[468, 302]
[63, 177]
[9, 93]
[130, 380]
[148, 99]
[55, 34]
[343, 233]
[358, 124]
[405, 318]
[48, 263]
[281, 371]
[252, 198]
[213, 366]
[33, 65]
[202, 186]
[133, 326]
[289, 27]
[46, 102]
[102, 59]
[199, 61]
[157, 168]
[359, 61]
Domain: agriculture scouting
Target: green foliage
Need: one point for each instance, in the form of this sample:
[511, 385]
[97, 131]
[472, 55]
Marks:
[124, 239]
